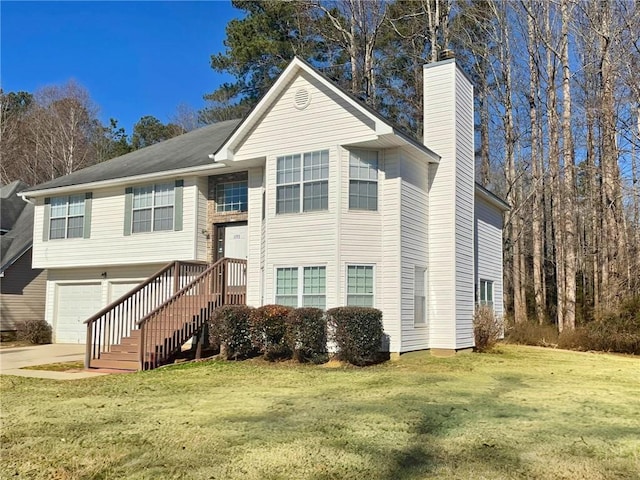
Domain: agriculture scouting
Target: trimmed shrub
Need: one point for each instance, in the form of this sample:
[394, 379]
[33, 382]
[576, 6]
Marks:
[33, 331]
[357, 332]
[307, 335]
[487, 329]
[229, 327]
[268, 331]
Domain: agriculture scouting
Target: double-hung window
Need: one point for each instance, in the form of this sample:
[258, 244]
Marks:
[363, 180]
[301, 286]
[360, 285]
[153, 207]
[66, 217]
[486, 293]
[302, 182]
[420, 296]
[231, 197]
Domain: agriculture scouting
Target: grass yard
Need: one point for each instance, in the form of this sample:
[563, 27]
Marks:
[523, 412]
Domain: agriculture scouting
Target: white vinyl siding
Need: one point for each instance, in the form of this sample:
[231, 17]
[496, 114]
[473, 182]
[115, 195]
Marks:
[363, 180]
[108, 244]
[153, 207]
[67, 217]
[302, 182]
[414, 254]
[448, 130]
[360, 286]
[488, 251]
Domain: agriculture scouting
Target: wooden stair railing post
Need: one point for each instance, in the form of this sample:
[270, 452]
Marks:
[176, 277]
[89, 346]
[223, 283]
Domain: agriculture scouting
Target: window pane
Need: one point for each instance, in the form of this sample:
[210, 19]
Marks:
[360, 285]
[163, 218]
[314, 280]
[142, 197]
[164, 195]
[57, 228]
[232, 197]
[75, 227]
[58, 207]
[288, 169]
[420, 296]
[316, 165]
[287, 281]
[76, 205]
[489, 291]
[363, 195]
[316, 196]
[141, 221]
[363, 165]
[315, 301]
[288, 199]
[287, 286]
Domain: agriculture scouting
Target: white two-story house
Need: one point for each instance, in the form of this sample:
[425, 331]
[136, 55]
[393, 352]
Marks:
[328, 202]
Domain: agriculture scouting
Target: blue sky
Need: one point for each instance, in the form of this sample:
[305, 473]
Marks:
[134, 58]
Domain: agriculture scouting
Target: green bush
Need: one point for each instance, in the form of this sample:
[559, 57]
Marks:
[357, 332]
[33, 331]
[268, 329]
[229, 327]
[487, 329]
[307, 335]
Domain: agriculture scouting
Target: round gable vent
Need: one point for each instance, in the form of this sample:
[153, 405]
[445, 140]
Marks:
[302, 98]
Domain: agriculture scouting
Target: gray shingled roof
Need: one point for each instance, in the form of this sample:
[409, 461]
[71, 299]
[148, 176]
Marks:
[17, 218]
[191, 149]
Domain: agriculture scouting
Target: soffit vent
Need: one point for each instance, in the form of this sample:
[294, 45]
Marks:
[302, 98]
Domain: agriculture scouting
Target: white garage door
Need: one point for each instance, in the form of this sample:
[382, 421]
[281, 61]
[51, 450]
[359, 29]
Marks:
[118, 289]
[75, 304]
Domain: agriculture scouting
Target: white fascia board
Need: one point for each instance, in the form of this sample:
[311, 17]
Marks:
[225, 152]
[491, 198]
[83, 187]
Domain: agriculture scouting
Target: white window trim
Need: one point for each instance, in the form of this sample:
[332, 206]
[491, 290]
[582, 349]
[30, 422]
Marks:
[301, 183]
[486, 302]
[300, 286]
[153, 208]
[346, 280]
[66, 216]
[376, 181]
[425, 321]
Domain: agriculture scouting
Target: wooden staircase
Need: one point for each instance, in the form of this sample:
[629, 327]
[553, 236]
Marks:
[148, 326]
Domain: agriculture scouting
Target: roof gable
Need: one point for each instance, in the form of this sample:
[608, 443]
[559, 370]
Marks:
[299, 68]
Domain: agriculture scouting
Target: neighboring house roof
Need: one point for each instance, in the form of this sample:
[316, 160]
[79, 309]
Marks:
[17, 220]
[11, 204]
[185, 151]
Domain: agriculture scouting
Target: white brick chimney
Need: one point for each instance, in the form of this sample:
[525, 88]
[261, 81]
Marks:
[449, 132]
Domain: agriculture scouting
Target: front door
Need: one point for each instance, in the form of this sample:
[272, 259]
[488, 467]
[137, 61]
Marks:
[231, 240]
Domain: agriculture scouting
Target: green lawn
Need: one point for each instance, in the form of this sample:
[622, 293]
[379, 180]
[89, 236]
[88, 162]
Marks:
[522, 412]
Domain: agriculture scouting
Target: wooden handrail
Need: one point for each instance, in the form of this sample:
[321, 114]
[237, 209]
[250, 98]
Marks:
[115, 321]
[131, 292]
[165, 329]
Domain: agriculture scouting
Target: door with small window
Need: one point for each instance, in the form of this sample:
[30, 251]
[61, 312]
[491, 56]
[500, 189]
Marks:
[230, 240]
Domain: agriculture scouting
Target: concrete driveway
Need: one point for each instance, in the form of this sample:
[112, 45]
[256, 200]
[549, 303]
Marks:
[13, 359]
